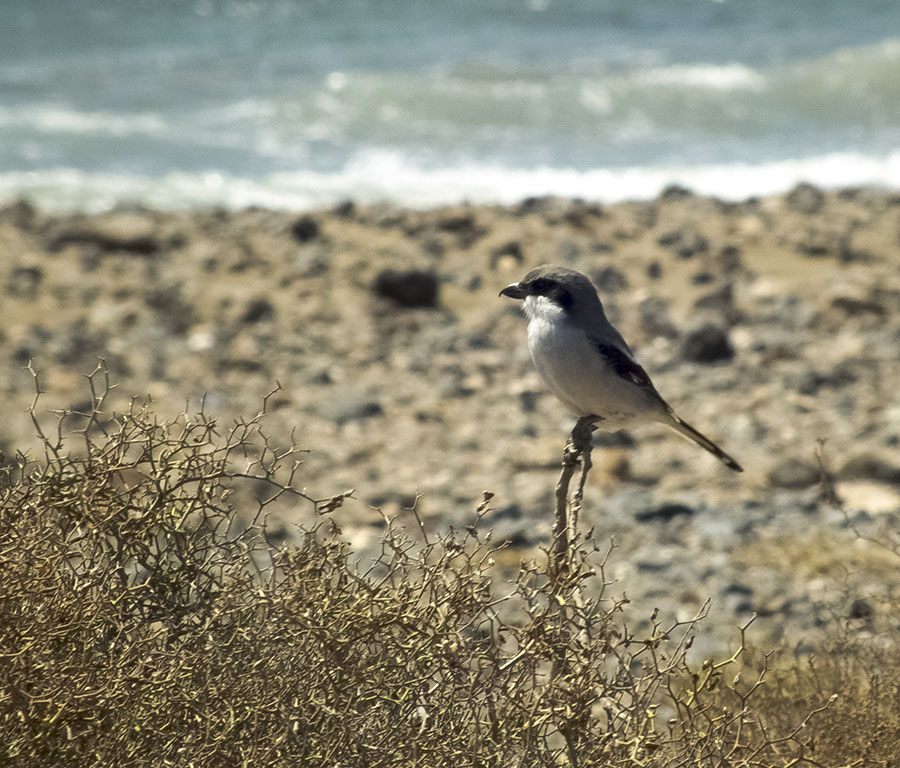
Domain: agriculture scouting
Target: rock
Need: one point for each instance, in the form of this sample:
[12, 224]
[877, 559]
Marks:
[176, 314]
[867, 466]
[257, 311]
[507, 254]
[654, 270]
[345, 408]
[806, 199]
[860, 609]
[854, 306]
[618, 439]
[609, 280]
[721, 301]
[25, 282]
[675, 192]
[664, 513]
[707, 344]
[462, 223]
[654, 318]
[509, 527]
[305, 229]
[78, 344]
[20, 212]
[409, 288]
[794, 474]
[687, 242]
[32, 344]
[118, 232]
[344, 210]
[729, 259]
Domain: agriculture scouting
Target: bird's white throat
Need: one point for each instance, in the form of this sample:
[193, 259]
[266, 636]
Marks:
[542, 308]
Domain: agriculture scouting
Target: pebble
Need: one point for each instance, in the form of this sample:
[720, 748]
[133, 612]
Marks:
[707, 344]
[408, 288]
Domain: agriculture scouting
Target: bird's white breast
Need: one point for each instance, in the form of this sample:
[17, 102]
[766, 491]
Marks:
[573, 368]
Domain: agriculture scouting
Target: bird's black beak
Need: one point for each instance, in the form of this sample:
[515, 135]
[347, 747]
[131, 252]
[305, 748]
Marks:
[514, 291]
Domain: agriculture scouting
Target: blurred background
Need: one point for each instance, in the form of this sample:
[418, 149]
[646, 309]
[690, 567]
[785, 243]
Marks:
[303, 103]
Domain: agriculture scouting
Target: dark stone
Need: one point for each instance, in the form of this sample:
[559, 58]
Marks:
[174, 312]
[654, 315]
[463, 223]
[78, 344]
[860, 609]
[794, 474]
[654, 270]
[533, 205]
[664, 513]
[687, 242]
[409, 288]
[512, 249]
[304, 229]
[343, 409]
[528, 400]
[257, 311]
[433, 246]
[35, 341]
[579, 212]
[124, 233]
[25, 282]
[609, 280]
[20, 212]
[730, 258]
[805, 198]
[854, 307]
[707, 344]
[869, 467]
[720, 300]
[619, 439]
[344, 210]
[675, 192]
[702, 278]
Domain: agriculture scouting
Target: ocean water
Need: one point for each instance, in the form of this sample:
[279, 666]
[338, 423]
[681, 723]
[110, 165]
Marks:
[304, 103]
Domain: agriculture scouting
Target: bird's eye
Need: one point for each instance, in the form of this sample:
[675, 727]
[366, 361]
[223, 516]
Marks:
[542, 285]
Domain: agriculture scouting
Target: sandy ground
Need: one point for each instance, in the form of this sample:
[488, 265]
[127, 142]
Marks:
[769, 325]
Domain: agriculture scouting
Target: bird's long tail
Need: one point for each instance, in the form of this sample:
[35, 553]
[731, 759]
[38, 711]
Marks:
[682, 427]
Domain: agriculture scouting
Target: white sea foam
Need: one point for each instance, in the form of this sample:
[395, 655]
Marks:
[49, 119]
[723, 77]
[387, 177]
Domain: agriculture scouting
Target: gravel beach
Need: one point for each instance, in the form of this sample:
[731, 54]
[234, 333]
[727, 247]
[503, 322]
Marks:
[769, 324]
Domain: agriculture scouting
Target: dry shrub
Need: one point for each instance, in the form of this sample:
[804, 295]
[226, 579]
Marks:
[144, 625]
[856, 668]
[861, 682]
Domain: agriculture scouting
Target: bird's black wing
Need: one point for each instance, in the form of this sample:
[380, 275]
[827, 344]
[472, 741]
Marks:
[624, 365]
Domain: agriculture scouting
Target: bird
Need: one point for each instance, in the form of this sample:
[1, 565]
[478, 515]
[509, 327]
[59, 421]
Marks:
[584, 360]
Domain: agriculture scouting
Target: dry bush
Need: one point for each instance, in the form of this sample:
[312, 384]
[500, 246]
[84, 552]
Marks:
[861, 726]
[856, 668]
[143, 624]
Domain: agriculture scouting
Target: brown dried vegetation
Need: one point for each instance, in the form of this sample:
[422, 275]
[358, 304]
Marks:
[145, 620]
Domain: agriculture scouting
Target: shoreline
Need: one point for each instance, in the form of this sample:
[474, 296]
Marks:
[768, 324]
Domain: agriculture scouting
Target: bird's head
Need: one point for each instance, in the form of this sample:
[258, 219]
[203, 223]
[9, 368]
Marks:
[555, 288]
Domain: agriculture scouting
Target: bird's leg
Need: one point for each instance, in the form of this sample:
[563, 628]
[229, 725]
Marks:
[582, 442]
[577, 446]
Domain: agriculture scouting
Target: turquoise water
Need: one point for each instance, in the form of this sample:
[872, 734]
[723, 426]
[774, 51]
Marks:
[298, 104]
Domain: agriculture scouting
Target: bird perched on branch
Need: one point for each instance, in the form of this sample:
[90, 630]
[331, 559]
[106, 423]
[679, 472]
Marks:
[585, 361]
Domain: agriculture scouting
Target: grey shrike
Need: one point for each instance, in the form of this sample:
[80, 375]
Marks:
[585, 361]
